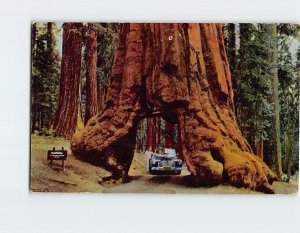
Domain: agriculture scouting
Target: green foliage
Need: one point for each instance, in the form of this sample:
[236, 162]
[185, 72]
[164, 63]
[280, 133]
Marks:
[288, 74]
[252, 83]
[45, 75]
[107, 41]
[107, 38]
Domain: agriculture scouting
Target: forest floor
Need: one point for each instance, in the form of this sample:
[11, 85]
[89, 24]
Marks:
[82, 177]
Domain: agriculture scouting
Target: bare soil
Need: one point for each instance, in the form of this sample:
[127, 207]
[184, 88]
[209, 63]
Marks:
[83, 177]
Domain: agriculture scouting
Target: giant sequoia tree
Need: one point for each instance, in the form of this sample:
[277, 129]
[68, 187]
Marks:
[66, 114]
[91, 73]
[179, 72]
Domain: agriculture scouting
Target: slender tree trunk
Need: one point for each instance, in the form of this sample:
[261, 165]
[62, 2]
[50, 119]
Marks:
[151, 134]
[91, 74]
[169, 135]
[274, 73]
[33, 37]
[232, 46]
[99, 96]
[66, 115]
[158, 130]
[101, 92]
[50, 60]
[288, 144]
[154, 145]
[33, 54]
[49, 40]
[38, 118]
[80, 117]
[138, 138]
[179, 70]
[260, 148]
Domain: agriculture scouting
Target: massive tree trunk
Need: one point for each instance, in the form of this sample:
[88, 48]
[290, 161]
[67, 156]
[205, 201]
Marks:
[91, 73]
[66, 115]
[177, 71]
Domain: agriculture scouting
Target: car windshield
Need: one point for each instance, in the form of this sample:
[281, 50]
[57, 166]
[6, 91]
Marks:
[166, 151]
[170, 151]
[163, 156]
[159, 151]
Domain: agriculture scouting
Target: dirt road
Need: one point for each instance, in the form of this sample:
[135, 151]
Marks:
[82, 177]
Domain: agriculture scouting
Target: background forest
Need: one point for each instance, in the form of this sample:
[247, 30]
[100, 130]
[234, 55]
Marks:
[264, 61]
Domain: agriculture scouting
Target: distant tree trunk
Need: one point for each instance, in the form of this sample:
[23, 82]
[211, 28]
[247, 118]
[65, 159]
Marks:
[179, 144]
[154, 134]
[288, 144]
[138, 138]
[169, 135]
[158, 130]
[231, 46]
[33, 54]
[91, 73]
[33, 37]
[260, 148]
[176, 70]
[50, 61]
[274, 73]
[66, 115]
[99, 96]
[101, 92]
[80, 117]
[151, 134]
[49, 40]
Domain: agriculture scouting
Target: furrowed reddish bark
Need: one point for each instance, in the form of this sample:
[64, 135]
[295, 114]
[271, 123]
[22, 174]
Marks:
[169, 135]
[91, 73]
[179, 72]
[66, 115]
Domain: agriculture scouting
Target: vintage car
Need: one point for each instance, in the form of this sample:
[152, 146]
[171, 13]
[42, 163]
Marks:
[163, 161]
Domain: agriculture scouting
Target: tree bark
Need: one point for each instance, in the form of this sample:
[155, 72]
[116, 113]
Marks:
[91, 73]
[274, 73]
[33, 37]
[158, 130]
[231, 46]
[49, 40]
[288, 144]
[169, 135]
[33, 54]
[179, 71]
[99, 94]
[66, 115]
[260, 148]
[151, 134]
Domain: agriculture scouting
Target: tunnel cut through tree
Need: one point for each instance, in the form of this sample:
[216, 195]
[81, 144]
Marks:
[178, 70]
